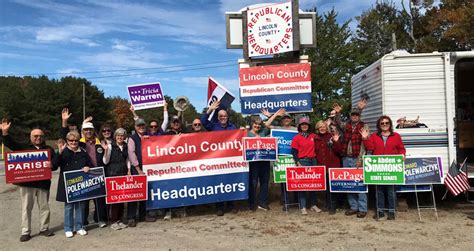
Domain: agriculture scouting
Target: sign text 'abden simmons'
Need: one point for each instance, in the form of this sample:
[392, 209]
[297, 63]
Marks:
[25, 166]
[306, 178]
[126, 189]
[270, 29]
[195, 168]
[274, 87]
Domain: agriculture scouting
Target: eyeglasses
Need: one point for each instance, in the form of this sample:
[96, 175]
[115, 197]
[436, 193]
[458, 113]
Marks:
[38, 136]
[384, 123]
[106, 130]
[73, 140]
[196, 124]
[153, 126]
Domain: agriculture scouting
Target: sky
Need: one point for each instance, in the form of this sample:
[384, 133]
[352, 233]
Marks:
[178, 43]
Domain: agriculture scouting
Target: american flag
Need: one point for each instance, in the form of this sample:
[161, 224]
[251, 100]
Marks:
[456, 181]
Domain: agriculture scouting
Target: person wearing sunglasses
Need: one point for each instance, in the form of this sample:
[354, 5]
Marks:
[72, 157]
[105, 134]
[92, 145]
[153, 128]
[384, 142]
[35, 190]
[197, 125]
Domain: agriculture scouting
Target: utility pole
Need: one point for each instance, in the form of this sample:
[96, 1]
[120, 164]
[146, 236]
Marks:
[83, 101]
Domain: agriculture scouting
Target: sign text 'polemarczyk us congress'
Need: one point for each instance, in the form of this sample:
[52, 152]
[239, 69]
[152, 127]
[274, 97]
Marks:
[84, 186]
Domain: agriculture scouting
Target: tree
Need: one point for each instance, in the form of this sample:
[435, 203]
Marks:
[333, 62]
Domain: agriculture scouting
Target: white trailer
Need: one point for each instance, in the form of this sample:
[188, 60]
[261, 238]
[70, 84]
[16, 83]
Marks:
[438, 87]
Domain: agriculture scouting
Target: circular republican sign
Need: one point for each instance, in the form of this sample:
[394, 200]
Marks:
[270, 29]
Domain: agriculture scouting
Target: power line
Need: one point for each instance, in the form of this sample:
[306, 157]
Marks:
[158, 72]
[135, 69]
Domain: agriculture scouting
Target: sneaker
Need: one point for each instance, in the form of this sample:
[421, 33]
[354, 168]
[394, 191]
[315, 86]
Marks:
[303, 211]
[316, 209]
[361, 214]
[220, 212]
[46, 233]
[122, 225]
[102, 224]
[115, 226]
[69, 234]
[264, 208]
[391, 216]
[132, 223]
[167, 216]
[82, 232]
[350, 212]
[25, 237]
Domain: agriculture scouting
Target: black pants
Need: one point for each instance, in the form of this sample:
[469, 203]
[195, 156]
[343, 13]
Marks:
[132, 210]
[100, 212]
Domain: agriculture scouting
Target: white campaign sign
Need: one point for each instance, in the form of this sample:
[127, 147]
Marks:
[270, 29]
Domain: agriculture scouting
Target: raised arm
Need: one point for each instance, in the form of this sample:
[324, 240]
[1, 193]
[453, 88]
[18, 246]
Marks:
[65, 115]
[164, 125]
[135, 115]
[268, 123]
[7, 140]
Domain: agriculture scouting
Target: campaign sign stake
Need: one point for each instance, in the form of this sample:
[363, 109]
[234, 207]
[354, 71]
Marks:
[347, 180]
[126, 189]
[284, 140]
[279, 168]
[146, 96]
[84, 186]
[25, 166]
[306, 178]
[384, 170]
[260, 149]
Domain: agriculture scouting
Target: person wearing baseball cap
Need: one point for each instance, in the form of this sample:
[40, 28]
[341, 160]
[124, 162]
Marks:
[303, 151]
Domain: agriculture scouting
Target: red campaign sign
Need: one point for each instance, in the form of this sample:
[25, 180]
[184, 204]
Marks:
[26, 166]
[287, 73]
[126, 189]
[258, 148]
[306, 178]
[192, 146]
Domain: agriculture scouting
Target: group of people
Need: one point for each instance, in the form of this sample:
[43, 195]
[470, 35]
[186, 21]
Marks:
[333, 144]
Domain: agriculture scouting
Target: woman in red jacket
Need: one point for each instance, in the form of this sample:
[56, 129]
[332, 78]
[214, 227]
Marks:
[384, 142]
[327, 148]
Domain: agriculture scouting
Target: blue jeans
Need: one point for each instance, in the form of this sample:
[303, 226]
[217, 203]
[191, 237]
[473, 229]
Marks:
[312, 195]
[388, 192]
[73, 216]
[357, 201]
[259, 172]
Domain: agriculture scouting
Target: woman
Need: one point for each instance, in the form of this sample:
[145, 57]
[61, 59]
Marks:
[116, 164]
[259, 171]
[302, 149]
[384, 142]
[105, 133]
[327, 149]
[72, 158]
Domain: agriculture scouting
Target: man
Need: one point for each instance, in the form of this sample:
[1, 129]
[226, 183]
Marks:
[96, 153]
[176, 128]
[135, 157]
[352, 151]
[222, 124]
[197, 125]
[153, 129]
[34, 190]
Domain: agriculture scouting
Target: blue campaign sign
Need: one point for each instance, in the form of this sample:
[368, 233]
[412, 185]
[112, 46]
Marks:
[197, 190]
[423, 170]
[347, 180]
[297, 102]
[260, 155]
[411, 188]
[84, 186]
[284, 140]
